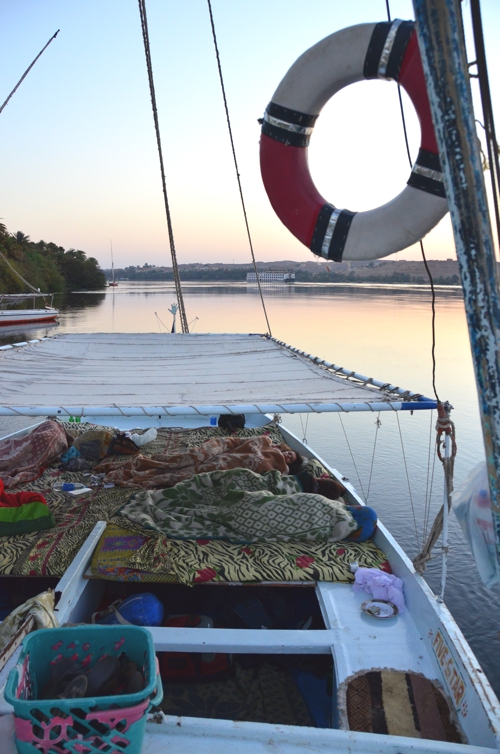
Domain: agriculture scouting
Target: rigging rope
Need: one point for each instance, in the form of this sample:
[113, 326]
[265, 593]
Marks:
[37, 290]
[444, 426]
[429, 275]
[175, 269]
[428, 488]
[28, 70]
[236, 163]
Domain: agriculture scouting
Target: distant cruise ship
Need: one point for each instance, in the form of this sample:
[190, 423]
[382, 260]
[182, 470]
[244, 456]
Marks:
[272, 276]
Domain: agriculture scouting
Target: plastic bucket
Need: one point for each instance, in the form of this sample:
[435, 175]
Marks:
[83, 726]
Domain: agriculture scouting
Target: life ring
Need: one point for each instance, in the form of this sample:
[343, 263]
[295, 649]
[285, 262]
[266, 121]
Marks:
[366, 51]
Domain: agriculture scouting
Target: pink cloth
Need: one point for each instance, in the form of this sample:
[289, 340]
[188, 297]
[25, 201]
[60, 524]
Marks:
[381, 585]
[23, 459]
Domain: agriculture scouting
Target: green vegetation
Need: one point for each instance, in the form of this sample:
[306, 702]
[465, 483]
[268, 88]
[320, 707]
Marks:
[45, 265]
[149, 272]
[302, 276]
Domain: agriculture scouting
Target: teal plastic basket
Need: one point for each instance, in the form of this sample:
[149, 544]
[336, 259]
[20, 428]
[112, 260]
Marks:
[81, 726]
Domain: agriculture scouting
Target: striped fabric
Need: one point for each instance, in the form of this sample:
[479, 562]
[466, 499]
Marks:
[399, 704]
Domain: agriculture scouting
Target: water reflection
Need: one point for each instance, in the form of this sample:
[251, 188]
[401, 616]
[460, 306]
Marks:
[20, 333]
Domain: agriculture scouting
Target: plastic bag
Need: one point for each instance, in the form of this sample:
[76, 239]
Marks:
[146, 437]
[472, 507]
[381, 585]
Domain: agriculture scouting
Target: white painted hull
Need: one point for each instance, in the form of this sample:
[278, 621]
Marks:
[424, 640]
[10, 317]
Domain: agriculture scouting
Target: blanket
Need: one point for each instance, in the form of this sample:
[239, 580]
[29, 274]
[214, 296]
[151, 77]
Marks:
[241, 506]
[23, 459]
[22, 512]
[218, 453]
[126, 552]
[50, 552]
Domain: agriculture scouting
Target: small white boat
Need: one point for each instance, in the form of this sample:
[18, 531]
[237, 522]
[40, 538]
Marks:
[14, 317]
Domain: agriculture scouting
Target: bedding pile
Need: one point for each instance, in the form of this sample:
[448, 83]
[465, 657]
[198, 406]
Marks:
[129, 551]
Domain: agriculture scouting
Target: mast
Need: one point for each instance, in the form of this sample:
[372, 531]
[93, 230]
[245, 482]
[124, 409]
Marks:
[112, 264]
[441, 39]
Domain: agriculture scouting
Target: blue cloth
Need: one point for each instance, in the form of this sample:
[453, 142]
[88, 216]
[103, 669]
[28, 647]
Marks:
[366, 519]
[70, 453]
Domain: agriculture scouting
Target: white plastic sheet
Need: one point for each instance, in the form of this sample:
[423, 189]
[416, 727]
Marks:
[472, 507]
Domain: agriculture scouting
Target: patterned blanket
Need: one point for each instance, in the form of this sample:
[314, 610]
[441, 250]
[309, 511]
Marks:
[23, 459]
[219, 453]
[127, 553]
[243, 507]
[50, 552]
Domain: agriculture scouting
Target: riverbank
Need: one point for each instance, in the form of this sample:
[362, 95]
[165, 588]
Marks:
[443, 272]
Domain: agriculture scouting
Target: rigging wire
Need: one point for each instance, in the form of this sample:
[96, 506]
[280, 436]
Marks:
[489, 123]
[175, 269]
[408, 480]
[378, 424]
[304, 430]
[28, 70]
[422, 251]
[352, 458]
[236, 163]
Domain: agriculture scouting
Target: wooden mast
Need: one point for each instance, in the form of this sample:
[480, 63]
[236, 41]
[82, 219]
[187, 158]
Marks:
[441, 39]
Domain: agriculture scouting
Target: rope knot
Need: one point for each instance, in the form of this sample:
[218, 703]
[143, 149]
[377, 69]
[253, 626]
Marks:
[444, 426]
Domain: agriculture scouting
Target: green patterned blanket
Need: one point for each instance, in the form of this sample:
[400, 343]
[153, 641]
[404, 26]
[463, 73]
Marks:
[241, 507]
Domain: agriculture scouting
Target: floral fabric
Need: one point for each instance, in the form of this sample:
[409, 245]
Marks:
[23, 459]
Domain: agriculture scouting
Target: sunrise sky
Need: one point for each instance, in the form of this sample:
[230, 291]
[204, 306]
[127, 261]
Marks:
[78, 151]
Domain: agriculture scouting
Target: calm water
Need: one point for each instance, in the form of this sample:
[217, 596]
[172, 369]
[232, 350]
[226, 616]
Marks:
[383, 333]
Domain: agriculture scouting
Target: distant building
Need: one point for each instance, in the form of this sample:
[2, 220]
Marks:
[272, 276]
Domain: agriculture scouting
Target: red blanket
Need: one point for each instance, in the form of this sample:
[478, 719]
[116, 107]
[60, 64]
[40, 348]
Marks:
[219, 453]
[16, 499]
[24, 459]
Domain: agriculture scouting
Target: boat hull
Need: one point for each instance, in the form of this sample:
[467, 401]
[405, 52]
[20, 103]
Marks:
[9, 317]
[425, 642]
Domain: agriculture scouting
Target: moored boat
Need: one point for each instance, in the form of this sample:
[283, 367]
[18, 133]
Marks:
[272, 276]
[12, 317]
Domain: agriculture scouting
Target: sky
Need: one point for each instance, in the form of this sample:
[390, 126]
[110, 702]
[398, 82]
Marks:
[78, 150]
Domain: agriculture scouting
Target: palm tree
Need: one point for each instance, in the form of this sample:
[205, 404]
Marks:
[21, 238]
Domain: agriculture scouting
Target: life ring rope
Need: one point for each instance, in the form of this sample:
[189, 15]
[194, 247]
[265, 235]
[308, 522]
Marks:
[392, 53]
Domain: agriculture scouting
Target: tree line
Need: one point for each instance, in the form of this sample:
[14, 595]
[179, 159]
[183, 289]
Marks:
[301, 276]
[46, 266]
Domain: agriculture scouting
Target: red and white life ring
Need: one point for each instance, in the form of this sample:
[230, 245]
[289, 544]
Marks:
[367, 51]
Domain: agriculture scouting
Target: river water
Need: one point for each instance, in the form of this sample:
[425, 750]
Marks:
[381, 332]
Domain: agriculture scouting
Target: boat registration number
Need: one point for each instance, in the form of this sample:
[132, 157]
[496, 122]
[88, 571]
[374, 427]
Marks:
[451, 674]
